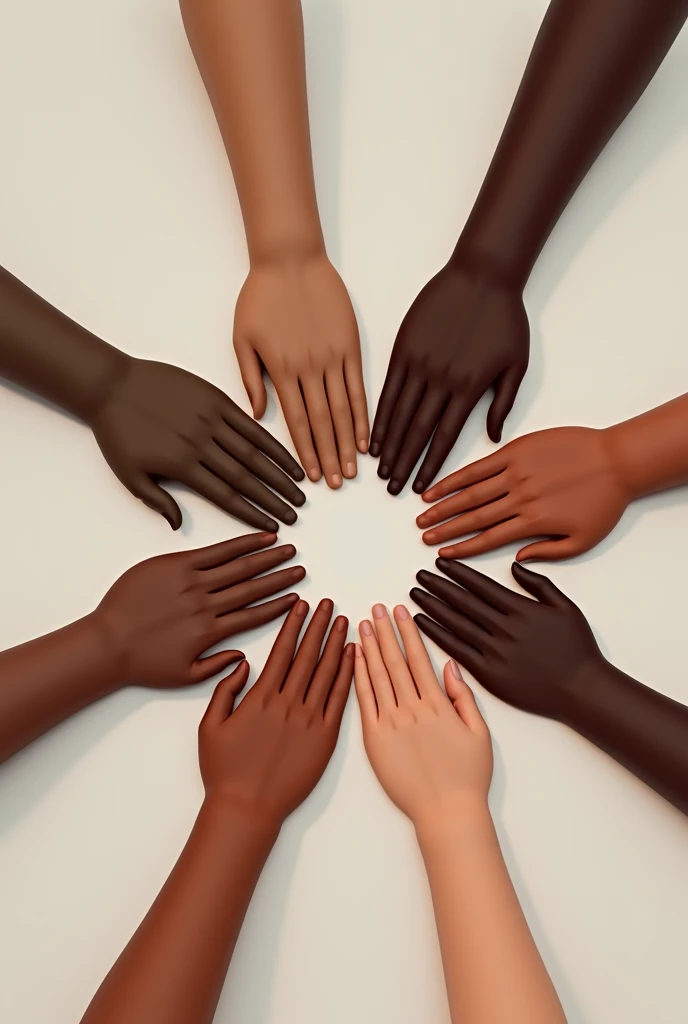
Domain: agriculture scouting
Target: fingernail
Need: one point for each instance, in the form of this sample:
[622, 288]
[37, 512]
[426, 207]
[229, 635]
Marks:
[326, 605]
[455, 669]
[362, 445]
[383, 472]
[298, 573]
[366, 628]
[375, 449]
[358, 650]
[419, 487]
[429, 537]
[314, 474]
[301, 608]
[394, 487]
[336, 480]
[401, 613]
[350, 469]
[341, 624]
[379, 611]
[290, 517]
[267, 536]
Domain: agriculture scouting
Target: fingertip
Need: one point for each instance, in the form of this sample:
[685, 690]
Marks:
[383, 471]
[301, 607]
[290, 517]
[362, 445]
[297, 473]
[314, 474]
[441, 563]
[401, 613]
[299, 572]
[358, 650]
[326, 605]
[374, 449]
[418, 486]
[394, 487]
[335, 481]
[429, 537]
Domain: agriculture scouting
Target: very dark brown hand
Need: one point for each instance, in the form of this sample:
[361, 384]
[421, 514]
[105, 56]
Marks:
[160, 422]
[463, 335]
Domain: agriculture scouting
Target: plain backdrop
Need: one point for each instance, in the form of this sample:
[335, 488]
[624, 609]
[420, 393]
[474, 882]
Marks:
[117, 204]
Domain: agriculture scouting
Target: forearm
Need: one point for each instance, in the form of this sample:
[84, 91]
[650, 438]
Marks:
[493, 971]
[174, 967]
[251, 56]
[44, 681]
[643, 730]
[651, 451]
[44, 351]
[591, 62]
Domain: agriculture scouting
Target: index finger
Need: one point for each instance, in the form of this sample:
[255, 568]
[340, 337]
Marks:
[262, 439]
[213, 555]
[471, 474]
[280, 657]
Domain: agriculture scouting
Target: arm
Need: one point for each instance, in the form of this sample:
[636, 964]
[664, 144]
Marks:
[293, 316]
[467, 330]
[572, 483]
[151, 420]
[258, 764]
[151, 628]
[434, 760]
[541, 656]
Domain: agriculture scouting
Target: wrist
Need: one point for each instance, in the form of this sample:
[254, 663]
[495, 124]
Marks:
[107, 676]
[623, 452]
[114, 368]
[458, 818]
[233, 819]
[496, 267]
[287, 249]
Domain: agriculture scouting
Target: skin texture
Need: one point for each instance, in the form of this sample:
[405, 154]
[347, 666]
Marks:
[151, 420]
[433, 757]
[150, 629]
[467, 331]
[293, 318]
[572, 484]
[541, 656]
[258, 762]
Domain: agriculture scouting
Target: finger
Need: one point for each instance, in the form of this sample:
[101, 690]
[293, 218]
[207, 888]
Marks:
[364, 689]
[379, 676]
[460, 625]
[539, 586]
[280, 657]
[424, 423]
[409, 400]
[328, 666]
[552, 550]
[222, 701]
[294, 410]
[462, 697]
[451, 644]
[461, 600]
[263, 441]
[339, 691]
[243, 594]
[251, 618]
[340, 411]
[448, 430]
[500, 510]
[152, 494]
[225, 497]
[322, 429]
[353, 376]
[393, 657]
[418, 658]
[301, 672]
[230, 439]
[469, 498]
[474, 473]
[501, 598]
[218, 554]
[247, 568]
[490, 539]
[394, 382]
[505, 394]
[204, 668]
[227, 469]
[252, 375]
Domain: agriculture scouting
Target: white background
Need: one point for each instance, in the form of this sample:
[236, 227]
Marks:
[117, 204]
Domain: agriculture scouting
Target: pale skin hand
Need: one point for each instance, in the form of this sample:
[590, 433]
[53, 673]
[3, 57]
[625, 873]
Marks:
[433, 756]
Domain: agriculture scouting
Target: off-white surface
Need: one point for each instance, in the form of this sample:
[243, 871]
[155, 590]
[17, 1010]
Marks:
[116, 203]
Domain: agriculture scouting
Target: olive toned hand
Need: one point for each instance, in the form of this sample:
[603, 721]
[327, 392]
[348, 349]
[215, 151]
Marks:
[151, 420]
[258, 763]
[541, 656]
[150, 629]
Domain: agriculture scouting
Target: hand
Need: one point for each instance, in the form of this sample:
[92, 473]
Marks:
[267, 756]
[462, 335]
[561, 482]
[532, 654]
[161, 421]
[295, 319]
[432, 759]
[161, 615]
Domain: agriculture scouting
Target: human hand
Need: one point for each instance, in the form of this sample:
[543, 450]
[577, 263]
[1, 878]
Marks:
[532, 654]
[267, 756]
[162, 614]
[295, 319]
[462, 335]
[561, 482]
[159, 421]
[431, 758]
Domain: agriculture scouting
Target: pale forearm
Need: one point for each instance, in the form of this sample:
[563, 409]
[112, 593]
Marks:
[651, 451]
[251, 56]
[492, 967]
[174, 967]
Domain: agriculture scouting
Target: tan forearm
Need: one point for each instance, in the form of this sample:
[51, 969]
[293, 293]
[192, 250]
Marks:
[492, 967]
[251, 56]
[651, 450]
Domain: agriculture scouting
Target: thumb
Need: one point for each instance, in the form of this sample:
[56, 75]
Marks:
[252, 376]
[204, 668]
[538, 585]
[461, 696]
[222, 701]
[549, 550]
[506, 390]
[153, 495]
